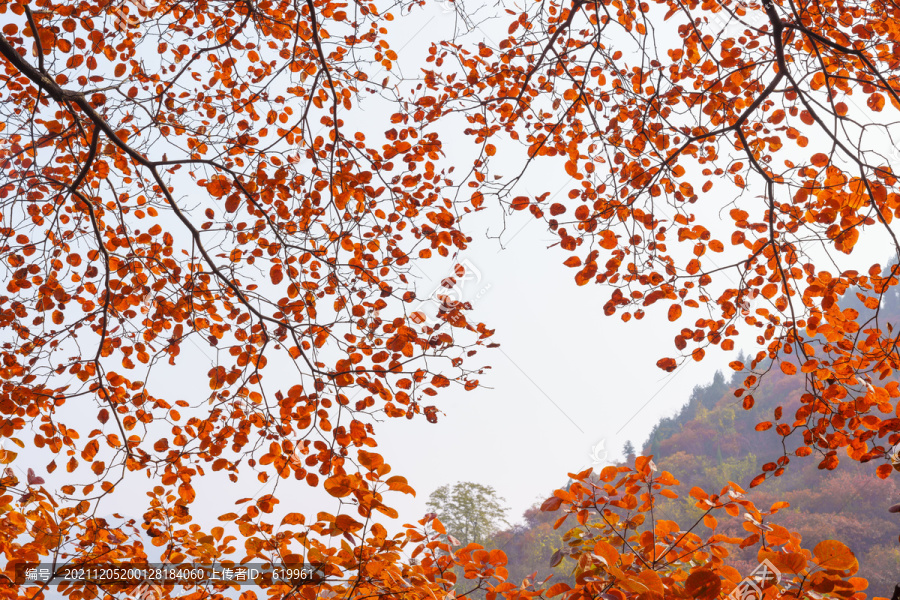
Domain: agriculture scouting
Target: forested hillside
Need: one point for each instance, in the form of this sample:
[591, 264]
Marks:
[713, 441]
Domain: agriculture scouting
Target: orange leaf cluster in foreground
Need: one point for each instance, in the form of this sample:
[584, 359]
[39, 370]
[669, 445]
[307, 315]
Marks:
[621, 547]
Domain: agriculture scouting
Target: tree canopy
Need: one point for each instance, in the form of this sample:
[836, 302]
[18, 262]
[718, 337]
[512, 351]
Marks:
[203, 175]
[471, 512]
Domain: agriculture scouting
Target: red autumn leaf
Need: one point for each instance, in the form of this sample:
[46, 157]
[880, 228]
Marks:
[819, 159]
[557, 589]
[34, 479]
[338, 486]
[551, 504]
[667, 364]
[218, 187]
[703, 583]
[520, 203]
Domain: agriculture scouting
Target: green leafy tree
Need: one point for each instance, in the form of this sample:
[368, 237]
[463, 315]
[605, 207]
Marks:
[470, 512]
[628, 451]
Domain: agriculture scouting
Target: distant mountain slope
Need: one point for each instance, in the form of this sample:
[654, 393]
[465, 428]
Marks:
[713, 441]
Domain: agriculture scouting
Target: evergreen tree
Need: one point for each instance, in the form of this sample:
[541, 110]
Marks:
[628, 451]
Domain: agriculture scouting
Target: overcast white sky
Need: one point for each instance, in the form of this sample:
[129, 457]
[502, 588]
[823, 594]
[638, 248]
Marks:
[564, 378]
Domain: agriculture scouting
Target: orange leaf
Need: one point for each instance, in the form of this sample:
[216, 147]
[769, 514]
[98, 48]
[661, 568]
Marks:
[347, 523]
[667, 364]
[586, 274]
[338, 486]
[703, 583]
[520, 203]
[276, 274]
[607, 552]
[551, 504]
[557, 589]
[218, 187]
[232, 203]
[834, 555]
[819, 159]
